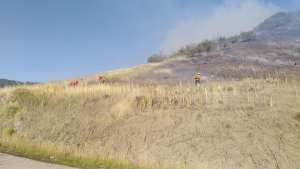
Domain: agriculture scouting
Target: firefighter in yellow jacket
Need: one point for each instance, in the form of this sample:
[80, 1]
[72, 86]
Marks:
[197, 78]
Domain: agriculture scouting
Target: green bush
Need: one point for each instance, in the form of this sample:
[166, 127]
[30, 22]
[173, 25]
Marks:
[24, 97]
[9, 111]
[246, 36]
[209, 46]
[193, 50]
[156, 58]
[188, 51]
[8, 132]
[234, 39]
[142, 102]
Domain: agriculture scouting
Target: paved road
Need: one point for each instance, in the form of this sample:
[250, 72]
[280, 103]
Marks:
[12, 162]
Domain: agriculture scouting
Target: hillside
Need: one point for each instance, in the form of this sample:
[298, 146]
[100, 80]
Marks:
[281, 26]
[5, 82]
[273, 47]
[246, 116]
[246, 124]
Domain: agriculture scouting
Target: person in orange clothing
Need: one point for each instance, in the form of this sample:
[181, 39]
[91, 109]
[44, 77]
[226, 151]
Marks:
[73, 83]
[197, 78]
[101, 79]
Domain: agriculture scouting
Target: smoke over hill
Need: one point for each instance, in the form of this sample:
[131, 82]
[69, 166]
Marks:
[271, 47]
[228, 19]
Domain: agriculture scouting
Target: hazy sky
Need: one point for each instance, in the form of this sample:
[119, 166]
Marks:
[43, 40]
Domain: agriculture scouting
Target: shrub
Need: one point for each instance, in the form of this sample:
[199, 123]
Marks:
[229, 89]
[9, 111]
[246, 36]
[193, 50]
[156, 58]
[222, 39]
[181, 51]
[234, 39]
[297, 117]
[8, 132]
[24, 98]
[209, 46]
[206, 46]
[177, 54]
[142, 102]
[188, 51]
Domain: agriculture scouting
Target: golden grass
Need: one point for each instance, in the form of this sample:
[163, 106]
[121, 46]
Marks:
[64, 155]
[162, 125]
[181, 95]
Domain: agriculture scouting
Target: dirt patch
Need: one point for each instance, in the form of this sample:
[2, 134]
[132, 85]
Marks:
[297, 117]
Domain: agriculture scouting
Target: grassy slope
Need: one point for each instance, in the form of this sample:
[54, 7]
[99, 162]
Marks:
[51, 153]
[5, 82]
[242, 124]
[124, 75]
[145, 73]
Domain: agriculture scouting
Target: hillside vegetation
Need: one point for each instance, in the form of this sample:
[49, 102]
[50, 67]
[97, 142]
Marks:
[233, 124]
[5, 82]
[273, 46]
[245, 114]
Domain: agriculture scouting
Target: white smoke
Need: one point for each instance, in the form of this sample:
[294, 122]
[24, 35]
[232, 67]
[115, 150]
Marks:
[230, 18]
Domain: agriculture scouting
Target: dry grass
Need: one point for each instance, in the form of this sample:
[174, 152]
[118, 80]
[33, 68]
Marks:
[49, 152]
[234, 124]
[124, 75]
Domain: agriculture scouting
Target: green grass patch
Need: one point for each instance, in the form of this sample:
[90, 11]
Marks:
[9, 111]
[8, 132]
[24, 97]
[51, 154]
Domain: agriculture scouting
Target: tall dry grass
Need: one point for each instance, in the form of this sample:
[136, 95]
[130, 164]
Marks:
[217, 93]
[178, 125]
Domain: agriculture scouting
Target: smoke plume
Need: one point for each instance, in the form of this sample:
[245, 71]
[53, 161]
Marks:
[229, 18]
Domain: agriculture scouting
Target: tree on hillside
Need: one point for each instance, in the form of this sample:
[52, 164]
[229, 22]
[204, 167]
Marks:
[246, 36]
[209, 46]
[156, 58]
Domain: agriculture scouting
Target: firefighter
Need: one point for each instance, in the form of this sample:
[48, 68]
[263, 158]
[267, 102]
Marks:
[197, 78]
[73, 83]
[101, 79]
